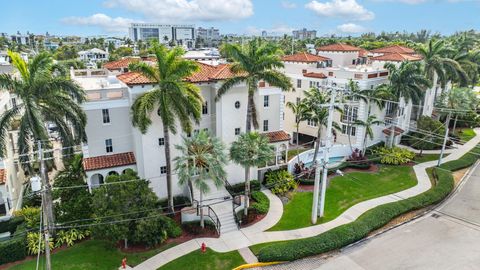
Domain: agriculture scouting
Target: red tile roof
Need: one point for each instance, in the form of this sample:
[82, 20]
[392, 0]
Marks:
[109, 161]
[363, 53]
[339, 47]
[304, 57]
[277, 136]
[207, 73]
[3, 176]
[315, 75]
[394, 49]
[125, 62]
[396, 57]
[397, 131]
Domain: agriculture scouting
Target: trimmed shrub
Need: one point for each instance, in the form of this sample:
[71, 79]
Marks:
[240, 187]
[280, 182]
[349, 233]
[10, 225]
[395, 155]
[15, 248]
[261, 204]
[31, 216]
[193, 227]
[463, 162]
[177, 200]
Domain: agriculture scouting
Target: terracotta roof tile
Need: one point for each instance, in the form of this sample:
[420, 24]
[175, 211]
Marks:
[363, 53]
[396, 57]
[315, 75]
[277, 136]
[394, 49]
[304, 57]
[339, 47]
[125, 62]
[134, 78]
[397, 131]
[109, 161]
[3, 176]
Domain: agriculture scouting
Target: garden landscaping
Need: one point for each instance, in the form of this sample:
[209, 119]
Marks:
[210, 260]
[344, 192]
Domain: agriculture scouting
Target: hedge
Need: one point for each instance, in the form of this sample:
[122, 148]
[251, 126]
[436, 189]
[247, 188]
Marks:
[358, 229]
[177, 200]
[261, 204]
[10, 225]
[15, 248]
[463, 162]
[240, 187]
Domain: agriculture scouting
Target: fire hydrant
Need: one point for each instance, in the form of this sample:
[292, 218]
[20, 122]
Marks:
[124, 263]
[203, 247]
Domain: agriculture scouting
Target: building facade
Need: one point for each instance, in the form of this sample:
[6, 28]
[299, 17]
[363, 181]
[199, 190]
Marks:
[303, 34]
[208, 37]
[183, 35]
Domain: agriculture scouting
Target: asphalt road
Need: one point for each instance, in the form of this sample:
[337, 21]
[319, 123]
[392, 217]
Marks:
[448, 238]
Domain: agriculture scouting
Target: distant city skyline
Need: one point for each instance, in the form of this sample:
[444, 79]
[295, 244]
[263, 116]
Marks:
[251, 17]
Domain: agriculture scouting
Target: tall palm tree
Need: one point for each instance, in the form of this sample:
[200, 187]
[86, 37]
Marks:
[406, 82]
[256, 62]
[202, 159]
[173, 98]
[437, 63]
[318, 115]
[367, 125]
[299, 110]
[43, 97]
[251, 150]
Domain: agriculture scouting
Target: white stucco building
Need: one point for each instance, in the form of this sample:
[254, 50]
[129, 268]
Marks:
[93, 55]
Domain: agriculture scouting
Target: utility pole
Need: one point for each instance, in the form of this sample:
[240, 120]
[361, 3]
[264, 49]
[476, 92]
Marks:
[46, 206]
[319, 207]
[447, 122]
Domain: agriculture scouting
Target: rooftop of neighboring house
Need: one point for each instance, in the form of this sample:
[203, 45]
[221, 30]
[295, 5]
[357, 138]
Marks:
[94, 50]
[339, 47]
[396, 57]
[304, 57]
[109, 161]
[393, 49]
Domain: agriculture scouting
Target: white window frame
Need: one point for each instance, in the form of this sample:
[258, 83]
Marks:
[163, 170]
[109, 145]
[106, 116]
[266, 101]
[265, 125]
[161, 141]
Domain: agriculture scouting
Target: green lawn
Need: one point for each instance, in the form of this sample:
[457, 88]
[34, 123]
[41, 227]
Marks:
[294, 152]
[344, 192]
[209, 260]
[92, 254]
[465, 134]
[427, 157]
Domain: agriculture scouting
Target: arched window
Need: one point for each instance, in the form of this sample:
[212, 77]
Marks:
[96, 180]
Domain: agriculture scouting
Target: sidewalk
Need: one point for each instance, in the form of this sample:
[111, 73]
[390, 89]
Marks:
[257, 234]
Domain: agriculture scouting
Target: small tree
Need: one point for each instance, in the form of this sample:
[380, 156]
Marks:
[202, 158]
[371, 120]
[427, 138]
[251, 150]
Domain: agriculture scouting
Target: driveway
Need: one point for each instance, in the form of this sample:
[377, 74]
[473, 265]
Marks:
[448, 238]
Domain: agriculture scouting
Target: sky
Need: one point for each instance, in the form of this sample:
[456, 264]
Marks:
[340, 17]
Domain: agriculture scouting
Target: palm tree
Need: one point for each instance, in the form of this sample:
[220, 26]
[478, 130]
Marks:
[299, 110]
[42, 98]
[251, 150]
[406, 82]
[367, 125]
[317, 114]
[458, 101]
[438, 64]
[202, 158]
[254, 63]
[173, 98]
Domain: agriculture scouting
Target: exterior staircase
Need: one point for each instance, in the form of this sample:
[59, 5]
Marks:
[220, 202]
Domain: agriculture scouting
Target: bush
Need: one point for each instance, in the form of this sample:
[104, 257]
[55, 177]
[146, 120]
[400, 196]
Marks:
[177, 200]
[240, 187]
[261, 204]
[33, 239]
[15, 248]
[395, 155]
[193, 227]
[464, 161]
[11, 224]
[31, 216]
[69, 237]
[280, 182]
[349, 233]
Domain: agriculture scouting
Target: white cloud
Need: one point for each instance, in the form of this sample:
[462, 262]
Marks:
[186, 10]
[288, 5]
[346, 9]
[350, 28]
[109, 24]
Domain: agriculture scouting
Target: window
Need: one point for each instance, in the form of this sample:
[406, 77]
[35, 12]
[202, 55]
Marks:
[298, 100]
[261, 84]
[330, 74]
[205, 108]
[311, 123]
[304, 71]
[163, 170]
[265, 125]
[195, 132]
[299, 83]
[237, 104]
[265, 101]
[205, 129]
[108, 145]
[349, 113]
[14, 102]
[353, 62]
[352, 130]
[237, 131]
[106, 116]
[161, 141]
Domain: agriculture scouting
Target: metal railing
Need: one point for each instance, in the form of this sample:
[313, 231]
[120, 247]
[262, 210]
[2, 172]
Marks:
[236, 202]
[210, 214]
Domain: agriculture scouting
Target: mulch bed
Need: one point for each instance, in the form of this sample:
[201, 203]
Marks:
[253, 220]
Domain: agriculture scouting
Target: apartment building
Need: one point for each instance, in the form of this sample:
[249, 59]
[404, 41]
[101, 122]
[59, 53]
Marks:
[182, 34]
[93, 55]
[115, 145]
[208, 36]
[303, 34]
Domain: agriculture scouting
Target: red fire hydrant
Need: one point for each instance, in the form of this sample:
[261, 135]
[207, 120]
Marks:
[203, 247]
[124, 263]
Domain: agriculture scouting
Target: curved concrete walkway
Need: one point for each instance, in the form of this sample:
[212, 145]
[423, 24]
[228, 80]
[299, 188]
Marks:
[257, 233]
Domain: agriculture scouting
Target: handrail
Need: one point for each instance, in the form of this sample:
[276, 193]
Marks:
[210, 212]
[235, 205]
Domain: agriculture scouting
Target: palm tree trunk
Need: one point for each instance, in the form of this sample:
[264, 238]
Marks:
[298, 155]
[317, 146]
[365, 142]
[349, 127]
[166, 135]
[455, 123]
[392, 129]
[202, 222]
[247, 191]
